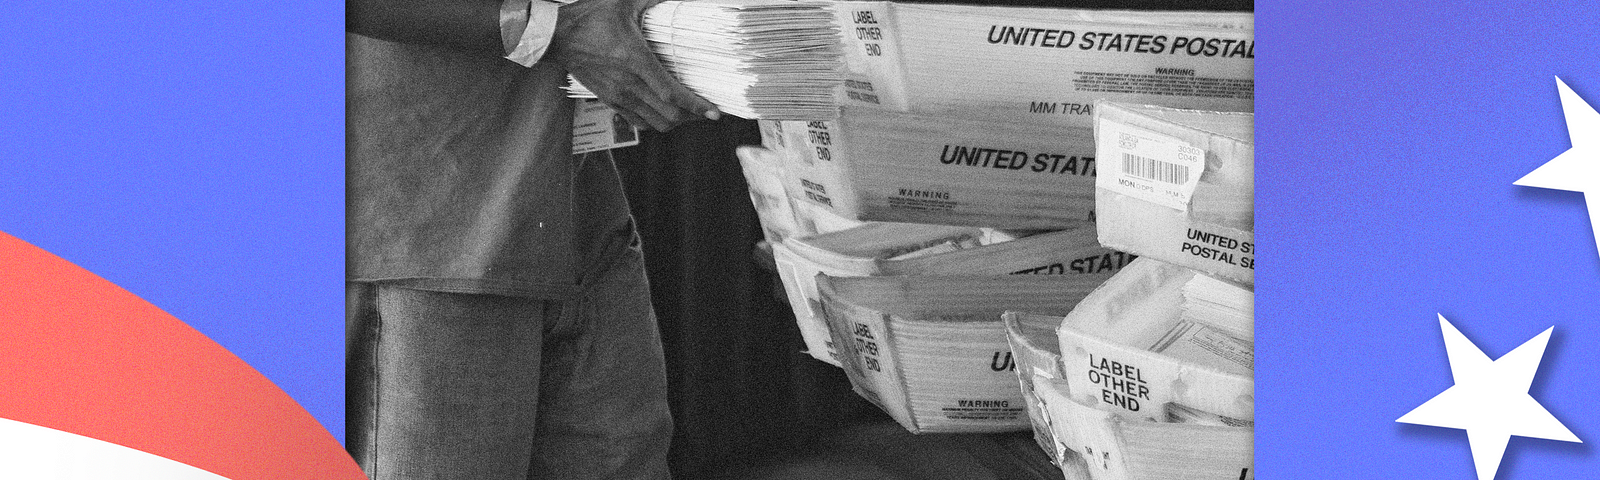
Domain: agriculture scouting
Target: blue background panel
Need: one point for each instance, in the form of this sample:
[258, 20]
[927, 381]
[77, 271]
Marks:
[1390, 134]
[192, 153]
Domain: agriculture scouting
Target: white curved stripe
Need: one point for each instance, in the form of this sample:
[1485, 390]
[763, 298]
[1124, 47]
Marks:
[33, 452]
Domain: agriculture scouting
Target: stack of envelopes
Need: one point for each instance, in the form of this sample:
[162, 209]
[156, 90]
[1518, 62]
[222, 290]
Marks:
[852, 253]
[780, 215]
[773, 59]
[1215, 326]
[879, 249]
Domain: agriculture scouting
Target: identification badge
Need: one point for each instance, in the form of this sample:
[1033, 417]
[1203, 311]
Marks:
[596, 127]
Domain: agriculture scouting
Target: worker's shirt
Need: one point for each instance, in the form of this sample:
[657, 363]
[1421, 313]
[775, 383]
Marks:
[460, 176]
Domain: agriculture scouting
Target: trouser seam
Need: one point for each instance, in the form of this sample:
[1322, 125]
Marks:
[377, 379]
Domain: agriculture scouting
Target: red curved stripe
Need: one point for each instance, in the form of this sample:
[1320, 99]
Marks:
[81, 355]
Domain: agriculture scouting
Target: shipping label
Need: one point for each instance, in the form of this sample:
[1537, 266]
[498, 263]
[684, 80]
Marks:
[1207, 345]
[1149, 166]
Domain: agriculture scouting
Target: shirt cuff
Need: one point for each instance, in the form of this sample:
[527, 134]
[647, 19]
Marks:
[525, 29]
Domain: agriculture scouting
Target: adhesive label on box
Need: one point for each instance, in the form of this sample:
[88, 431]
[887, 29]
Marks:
[1147, 165]
[596, 127]
[1207, 345]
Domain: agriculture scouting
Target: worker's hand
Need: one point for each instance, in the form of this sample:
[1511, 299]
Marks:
[601, 43]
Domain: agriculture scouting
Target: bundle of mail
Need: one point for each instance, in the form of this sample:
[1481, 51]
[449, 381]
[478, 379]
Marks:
[879, 249]
[766, 59]
[1032, 219]
[780, 215]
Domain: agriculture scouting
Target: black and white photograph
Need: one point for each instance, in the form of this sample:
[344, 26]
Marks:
[800, 239]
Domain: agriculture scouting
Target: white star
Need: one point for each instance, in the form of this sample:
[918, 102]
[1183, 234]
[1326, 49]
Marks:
[1490, 399]
[1577, 169]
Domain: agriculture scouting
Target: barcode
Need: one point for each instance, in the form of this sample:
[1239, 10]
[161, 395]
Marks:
[1152, 169]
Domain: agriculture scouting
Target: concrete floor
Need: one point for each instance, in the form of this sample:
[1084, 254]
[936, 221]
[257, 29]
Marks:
[882, 450]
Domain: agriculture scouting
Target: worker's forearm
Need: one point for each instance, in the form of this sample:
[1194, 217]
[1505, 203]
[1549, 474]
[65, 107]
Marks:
[467, 24]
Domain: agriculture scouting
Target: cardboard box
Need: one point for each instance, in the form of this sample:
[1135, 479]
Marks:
[1042, 64]
[781, 216]
[850, 253]
[1096, 444]
[1178, 186]
[763, 172]
[1106, 351]
[873, 165]
[1038, 355]
[932, 351]
[883, 248]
